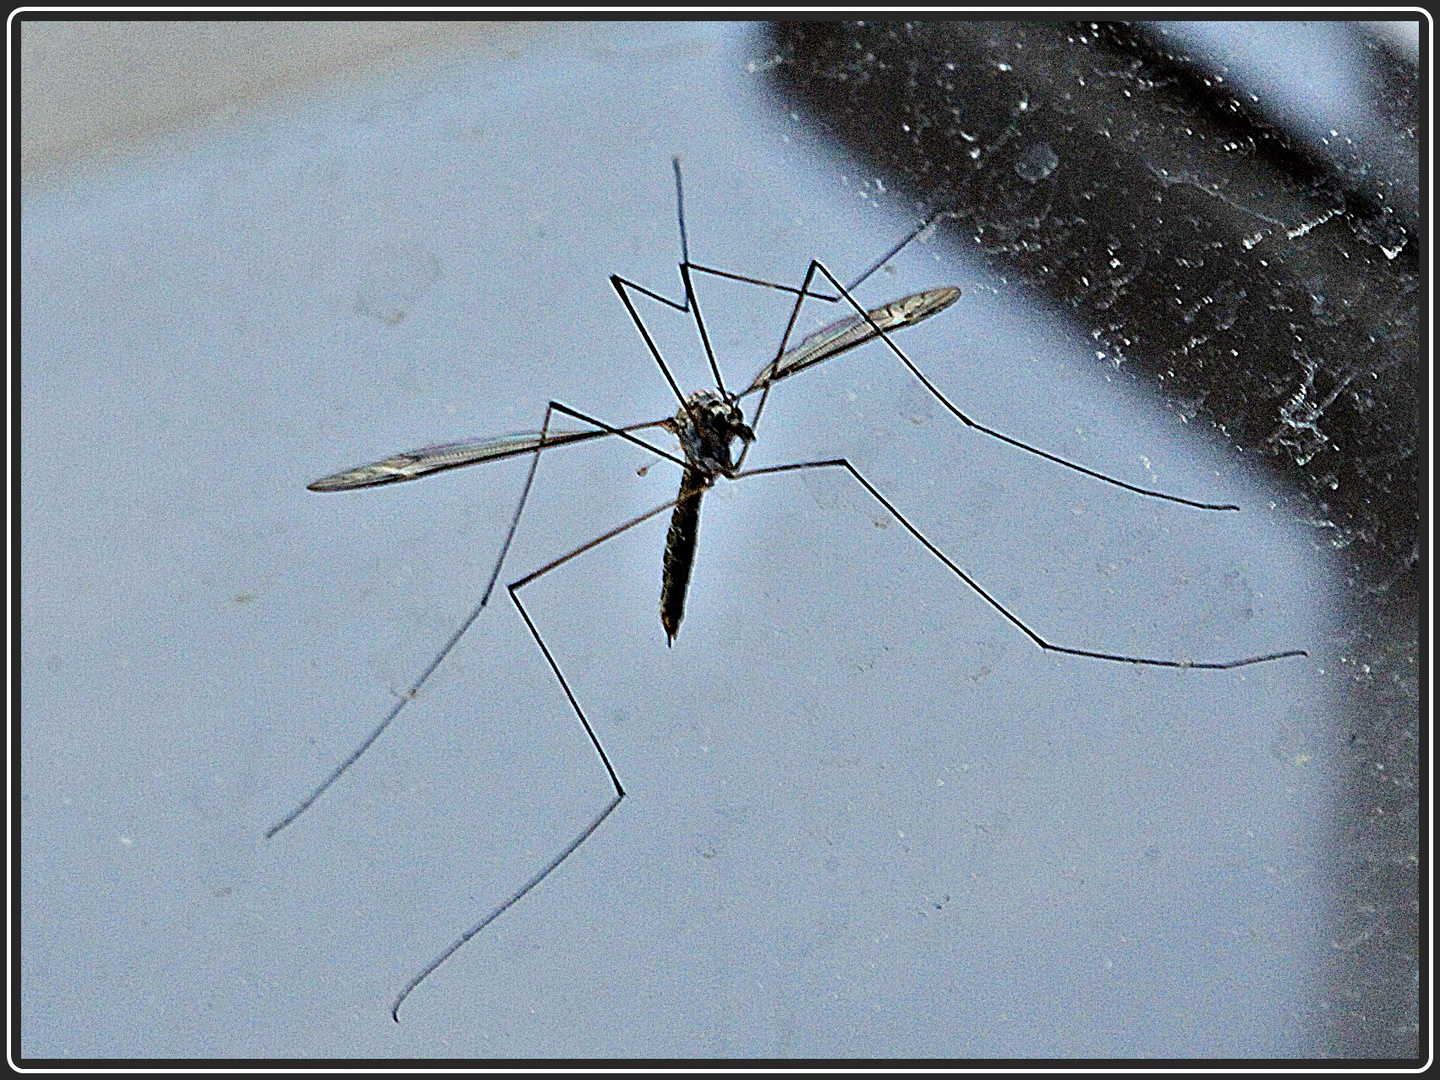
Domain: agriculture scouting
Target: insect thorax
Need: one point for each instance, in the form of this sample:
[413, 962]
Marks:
[706, 425]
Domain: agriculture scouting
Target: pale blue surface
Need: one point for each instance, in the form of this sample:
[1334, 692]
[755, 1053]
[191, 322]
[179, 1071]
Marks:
[865, 815]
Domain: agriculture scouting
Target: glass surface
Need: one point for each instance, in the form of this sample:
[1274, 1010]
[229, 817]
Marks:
[865, 815]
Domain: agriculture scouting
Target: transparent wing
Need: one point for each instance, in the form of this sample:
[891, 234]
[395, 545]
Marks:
[852, 331]
[413, 464]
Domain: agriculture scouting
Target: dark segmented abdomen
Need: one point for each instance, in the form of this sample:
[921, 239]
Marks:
[680, 552]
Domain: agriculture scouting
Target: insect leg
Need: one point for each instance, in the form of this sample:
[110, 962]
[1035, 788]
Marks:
[611, 430]
[800, 295]
[692, 303]
[963, 576]
[762, 282]
[621, 284]
[594, 824]
[935, 392]
[454, 640]
[917, 232]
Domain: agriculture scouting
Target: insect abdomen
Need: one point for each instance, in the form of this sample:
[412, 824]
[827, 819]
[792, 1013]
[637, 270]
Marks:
[680, 552]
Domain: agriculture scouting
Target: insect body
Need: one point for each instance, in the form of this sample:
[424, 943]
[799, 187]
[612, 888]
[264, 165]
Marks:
[707, 424]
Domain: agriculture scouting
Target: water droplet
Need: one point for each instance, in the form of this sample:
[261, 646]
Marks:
[1037, 163]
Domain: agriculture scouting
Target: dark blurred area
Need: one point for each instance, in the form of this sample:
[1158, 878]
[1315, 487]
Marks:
[1263, 281]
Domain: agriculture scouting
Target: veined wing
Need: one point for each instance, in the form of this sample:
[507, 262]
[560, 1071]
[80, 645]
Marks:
[413, 464]
[854, 330]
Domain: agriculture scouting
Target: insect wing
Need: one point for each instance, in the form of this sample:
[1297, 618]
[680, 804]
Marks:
[413, 464]
[847, 333]
[853, 331]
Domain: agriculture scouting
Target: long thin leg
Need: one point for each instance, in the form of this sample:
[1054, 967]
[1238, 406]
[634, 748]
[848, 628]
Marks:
[621, 284]
[611, 430]
[914, 234]
[800, 295]
[762, 282]
[1031, 634]
[690, 306]
[594, 824]
[917, 232]
[691, 303]
[459, 942]
[454, 640]
[935, 392]
[804, 291]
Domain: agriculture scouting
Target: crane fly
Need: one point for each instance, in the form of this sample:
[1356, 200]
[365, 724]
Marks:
[708, 423]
